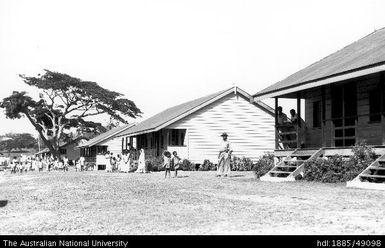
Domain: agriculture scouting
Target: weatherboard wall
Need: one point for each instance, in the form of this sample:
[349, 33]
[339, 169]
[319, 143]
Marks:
[114, 145]
[250, 129]
[372, 132]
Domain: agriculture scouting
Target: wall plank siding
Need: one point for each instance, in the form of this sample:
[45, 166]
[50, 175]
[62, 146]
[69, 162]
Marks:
[371, 132]
[250, 129]
[114, 145]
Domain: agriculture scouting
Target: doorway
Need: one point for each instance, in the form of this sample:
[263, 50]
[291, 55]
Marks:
[344, 113]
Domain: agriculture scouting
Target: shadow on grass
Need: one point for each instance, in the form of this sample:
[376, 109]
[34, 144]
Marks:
[181, 176]
[3, 203]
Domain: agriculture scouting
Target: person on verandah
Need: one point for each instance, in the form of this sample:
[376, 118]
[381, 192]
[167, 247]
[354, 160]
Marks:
[281, 117]
[224, 157]
[295, 121]
[283, 126]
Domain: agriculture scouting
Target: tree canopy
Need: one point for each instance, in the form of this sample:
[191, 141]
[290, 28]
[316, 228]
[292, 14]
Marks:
[66, 102]
[17, 141]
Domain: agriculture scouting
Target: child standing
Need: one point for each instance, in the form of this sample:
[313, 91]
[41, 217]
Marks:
[175, 161]
[167, 163]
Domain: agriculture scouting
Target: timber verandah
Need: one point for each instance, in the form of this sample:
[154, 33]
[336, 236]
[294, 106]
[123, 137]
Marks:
[338, 116]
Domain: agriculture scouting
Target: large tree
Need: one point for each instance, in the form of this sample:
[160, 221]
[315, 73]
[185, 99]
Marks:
[66, 102]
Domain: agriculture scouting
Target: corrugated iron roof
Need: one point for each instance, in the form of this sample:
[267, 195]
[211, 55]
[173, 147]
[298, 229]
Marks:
[104, 136]
[155, 122]
[366, 52]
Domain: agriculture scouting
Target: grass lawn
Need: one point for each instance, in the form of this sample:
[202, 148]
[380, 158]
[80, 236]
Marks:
[194, 203]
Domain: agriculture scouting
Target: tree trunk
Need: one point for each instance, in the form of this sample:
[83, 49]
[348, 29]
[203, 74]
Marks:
[54, 152]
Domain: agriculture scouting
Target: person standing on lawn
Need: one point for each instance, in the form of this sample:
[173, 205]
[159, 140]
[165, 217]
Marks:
[175, 162]
[224, 157]
[107, 161]
[112, 162]
[141, 162]
[167, 163]
[65, 163]
[126, 162]
[82, 162]
[40, 164]
[118, 163]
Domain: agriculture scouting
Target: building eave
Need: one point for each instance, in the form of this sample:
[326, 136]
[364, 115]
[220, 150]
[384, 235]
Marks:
[323, 81]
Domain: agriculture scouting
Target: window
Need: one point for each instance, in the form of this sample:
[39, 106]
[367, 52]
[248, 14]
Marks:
[63, 151]
[174, 137]
[375, 106]
[177, 137]
[317, 114]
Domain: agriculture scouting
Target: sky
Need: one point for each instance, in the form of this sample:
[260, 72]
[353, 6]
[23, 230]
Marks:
[160, 53]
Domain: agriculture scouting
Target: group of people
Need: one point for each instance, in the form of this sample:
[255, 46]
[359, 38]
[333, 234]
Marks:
[30, 163]
[282, 117]
[119, 163]
[286, 125]
[171, 163]
[123, 162]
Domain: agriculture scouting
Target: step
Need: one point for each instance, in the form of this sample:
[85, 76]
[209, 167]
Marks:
[372, 176]
[281, 169]
[303, 157]
[365, 185]
[277, 179]
[376, 168]
[294, 161]
[286, 166]
[280, 172]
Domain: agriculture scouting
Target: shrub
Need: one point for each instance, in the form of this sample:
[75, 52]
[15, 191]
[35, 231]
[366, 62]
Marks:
[207, 166]
[362, 153]
[154, 164]
[264, 164]
[187, 165]
[324, 170]
[337, 169]
[241, 164]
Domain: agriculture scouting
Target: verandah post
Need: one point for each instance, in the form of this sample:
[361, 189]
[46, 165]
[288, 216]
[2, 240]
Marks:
[323, 113]
[276, 122]
[382, 85]
[299, 119]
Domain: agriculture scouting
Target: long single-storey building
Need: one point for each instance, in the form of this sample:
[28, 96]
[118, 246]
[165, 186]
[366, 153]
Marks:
[344, 104]
[193, 129]
[108, 141]
[69, 149]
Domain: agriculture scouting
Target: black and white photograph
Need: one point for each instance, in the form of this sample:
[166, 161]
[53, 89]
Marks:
[192, 118]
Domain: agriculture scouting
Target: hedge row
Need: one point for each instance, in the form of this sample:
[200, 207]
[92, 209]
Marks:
[339, 169]
[330, 170]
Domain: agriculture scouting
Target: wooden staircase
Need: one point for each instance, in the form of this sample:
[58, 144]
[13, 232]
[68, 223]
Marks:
[372, 177]
[291, 166]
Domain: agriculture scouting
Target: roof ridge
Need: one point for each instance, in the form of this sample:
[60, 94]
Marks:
[172, 114]
[190, 101]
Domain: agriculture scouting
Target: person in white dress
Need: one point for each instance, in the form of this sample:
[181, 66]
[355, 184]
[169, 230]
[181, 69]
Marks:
[126, 162]
[82, 162]
[141, 162]
[119, 163]
[65, 163]
[224, 157]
